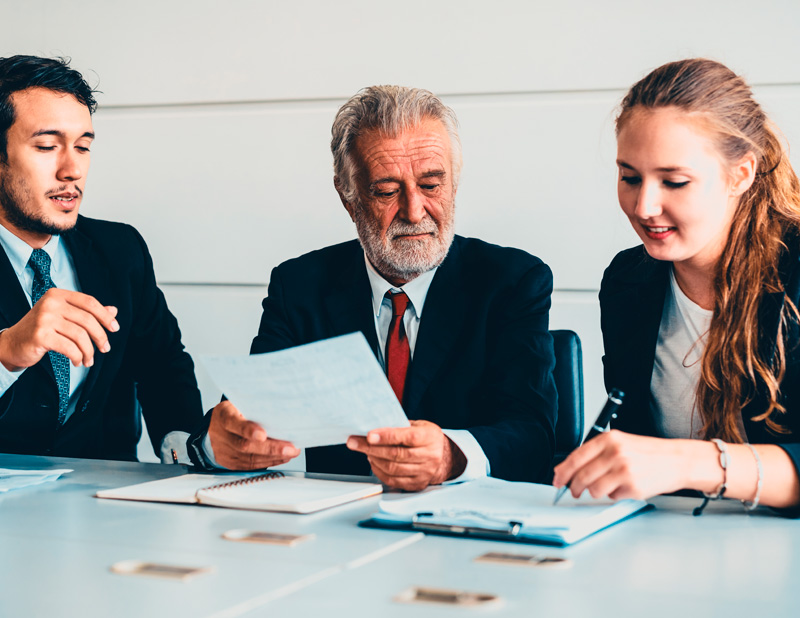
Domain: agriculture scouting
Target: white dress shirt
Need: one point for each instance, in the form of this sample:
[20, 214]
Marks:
[417, 291]
[62, 272]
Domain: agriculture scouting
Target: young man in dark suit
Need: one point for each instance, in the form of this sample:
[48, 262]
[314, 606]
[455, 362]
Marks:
[459, 325]
[87, 343]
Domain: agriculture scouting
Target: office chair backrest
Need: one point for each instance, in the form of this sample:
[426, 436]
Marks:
[568, 375]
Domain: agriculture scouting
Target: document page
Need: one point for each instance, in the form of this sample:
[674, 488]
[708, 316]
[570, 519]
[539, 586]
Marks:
[17, 479]
[312, 395]
[497, 504]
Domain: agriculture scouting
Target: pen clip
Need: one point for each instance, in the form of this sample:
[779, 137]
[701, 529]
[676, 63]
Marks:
[513, 530]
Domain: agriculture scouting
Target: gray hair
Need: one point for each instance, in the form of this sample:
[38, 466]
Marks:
[390, 110]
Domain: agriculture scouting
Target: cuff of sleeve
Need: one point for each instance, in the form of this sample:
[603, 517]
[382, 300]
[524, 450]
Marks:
[7, 378]
[477, 462]
[173, 448]
[793, 451]
[196, 448]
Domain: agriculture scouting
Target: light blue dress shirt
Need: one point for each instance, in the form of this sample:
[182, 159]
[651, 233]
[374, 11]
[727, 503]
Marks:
[62, 272]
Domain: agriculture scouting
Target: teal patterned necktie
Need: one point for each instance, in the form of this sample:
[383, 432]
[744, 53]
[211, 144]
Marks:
[40, 263]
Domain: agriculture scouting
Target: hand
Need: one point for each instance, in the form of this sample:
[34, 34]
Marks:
[62, 321]
[622, 465]
[410, 458]
[240, 444]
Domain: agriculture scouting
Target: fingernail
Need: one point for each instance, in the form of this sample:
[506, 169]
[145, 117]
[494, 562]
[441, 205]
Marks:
[90, 362]
[351, 443]
[288, 451]
[114, 326]
[373, 438]
[106, 347]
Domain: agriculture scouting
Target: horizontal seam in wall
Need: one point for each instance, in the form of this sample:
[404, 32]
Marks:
[340, 100]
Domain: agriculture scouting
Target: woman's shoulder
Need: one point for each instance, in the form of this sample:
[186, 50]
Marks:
[629, 268]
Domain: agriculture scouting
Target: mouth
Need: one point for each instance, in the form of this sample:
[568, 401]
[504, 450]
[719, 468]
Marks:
[658, 232]
[419, 236]
[65, 200]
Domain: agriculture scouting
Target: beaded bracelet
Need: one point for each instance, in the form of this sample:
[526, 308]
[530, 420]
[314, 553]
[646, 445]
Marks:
[723, 462]
[749, 506]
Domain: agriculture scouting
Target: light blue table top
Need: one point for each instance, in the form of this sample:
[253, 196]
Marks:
[57, 543]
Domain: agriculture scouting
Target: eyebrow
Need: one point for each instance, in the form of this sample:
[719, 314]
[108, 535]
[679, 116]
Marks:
[430, 174]
[674, 168]
[61, 134]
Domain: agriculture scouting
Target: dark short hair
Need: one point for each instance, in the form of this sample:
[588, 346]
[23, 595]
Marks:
[23, 72]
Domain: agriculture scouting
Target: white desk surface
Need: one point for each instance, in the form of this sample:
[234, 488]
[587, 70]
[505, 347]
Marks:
[57, 543]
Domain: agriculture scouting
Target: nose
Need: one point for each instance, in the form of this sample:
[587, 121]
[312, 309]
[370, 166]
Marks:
[648, 200]
[412, 205]
[69, 166]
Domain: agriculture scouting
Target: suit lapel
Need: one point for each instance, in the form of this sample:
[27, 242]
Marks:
[442, 319]
[14, 306]
[13, 303]
[94, 279]
[348, 306]
[640, 304]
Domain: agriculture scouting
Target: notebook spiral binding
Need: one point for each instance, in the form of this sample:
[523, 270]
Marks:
[253, 479]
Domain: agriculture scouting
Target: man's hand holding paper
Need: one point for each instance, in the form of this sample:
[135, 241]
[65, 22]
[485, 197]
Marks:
[240, 444]
[312, 395]
[410, 458]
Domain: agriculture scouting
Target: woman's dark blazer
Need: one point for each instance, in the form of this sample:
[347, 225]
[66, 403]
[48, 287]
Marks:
[631, 302]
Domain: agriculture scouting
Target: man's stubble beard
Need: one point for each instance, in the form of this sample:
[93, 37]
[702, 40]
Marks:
[14, 193]
[404, 259]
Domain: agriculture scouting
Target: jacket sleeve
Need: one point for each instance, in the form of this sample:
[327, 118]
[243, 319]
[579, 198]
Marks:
[166, 386]
[519, 390]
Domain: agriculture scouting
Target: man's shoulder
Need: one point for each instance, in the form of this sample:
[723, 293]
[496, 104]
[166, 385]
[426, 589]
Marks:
[106, 233]
[480, 256]
[323, 261]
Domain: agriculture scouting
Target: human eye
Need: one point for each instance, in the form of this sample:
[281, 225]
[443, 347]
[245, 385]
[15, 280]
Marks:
[630, 180]
[430, 186]
[44, 147]
[384, 190]
[675, 185]
[82, 148]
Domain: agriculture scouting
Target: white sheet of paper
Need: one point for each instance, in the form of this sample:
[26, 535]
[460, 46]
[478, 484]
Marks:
[311, 395]
[17, 479]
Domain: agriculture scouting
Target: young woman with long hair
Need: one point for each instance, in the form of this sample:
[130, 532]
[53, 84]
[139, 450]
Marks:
[700, 323]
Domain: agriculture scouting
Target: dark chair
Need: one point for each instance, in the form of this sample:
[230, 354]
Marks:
[568, 375]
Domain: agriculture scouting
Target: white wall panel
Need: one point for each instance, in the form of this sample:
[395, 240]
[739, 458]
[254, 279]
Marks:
[224, 193]
[215, 121]
[155, 52]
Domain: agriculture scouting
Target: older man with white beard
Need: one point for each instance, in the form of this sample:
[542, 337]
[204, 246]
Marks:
[459, 325]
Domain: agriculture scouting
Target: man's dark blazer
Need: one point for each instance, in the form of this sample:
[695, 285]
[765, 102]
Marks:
[145, 367]
[483, 358]
[631, 303]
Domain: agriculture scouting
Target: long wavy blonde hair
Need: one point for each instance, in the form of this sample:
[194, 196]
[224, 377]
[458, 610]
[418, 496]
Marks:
[733, 368]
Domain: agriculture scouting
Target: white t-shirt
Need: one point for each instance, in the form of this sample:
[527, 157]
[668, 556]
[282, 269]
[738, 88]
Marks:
[676, 370]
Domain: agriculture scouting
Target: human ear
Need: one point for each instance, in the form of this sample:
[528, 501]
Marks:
[743, 173]
[347, 205]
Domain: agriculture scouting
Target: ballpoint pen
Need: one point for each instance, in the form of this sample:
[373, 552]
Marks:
[608, 413]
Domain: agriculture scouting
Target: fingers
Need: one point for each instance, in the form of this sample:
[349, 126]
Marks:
[241, 444]
[580, 457]
[405, 458]
[105, 316]
[420, 433]
[63, 321]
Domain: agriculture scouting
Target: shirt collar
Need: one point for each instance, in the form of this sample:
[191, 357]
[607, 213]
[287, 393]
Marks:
[416, 290]
[19, 252]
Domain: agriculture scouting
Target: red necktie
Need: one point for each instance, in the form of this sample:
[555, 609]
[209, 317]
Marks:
[398, 352]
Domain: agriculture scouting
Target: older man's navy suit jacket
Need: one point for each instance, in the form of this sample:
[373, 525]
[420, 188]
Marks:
[483, 359]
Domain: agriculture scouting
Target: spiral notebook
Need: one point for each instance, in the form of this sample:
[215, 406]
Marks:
[272, 491]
